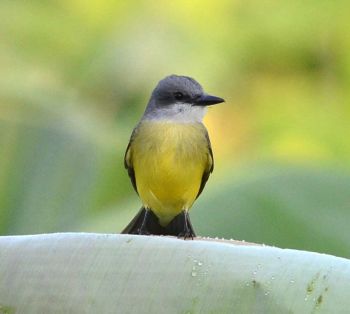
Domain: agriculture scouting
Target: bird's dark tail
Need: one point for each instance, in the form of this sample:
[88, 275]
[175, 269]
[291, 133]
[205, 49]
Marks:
[146, 222]
[181, 226]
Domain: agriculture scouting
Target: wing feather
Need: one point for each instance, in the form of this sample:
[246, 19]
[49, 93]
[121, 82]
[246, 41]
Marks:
[128, 164]
[210, 167]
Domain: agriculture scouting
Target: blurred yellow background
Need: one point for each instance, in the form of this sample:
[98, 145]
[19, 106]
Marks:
[76, 76]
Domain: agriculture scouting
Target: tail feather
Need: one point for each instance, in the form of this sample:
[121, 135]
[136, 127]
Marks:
[152, 224]
[181, 226]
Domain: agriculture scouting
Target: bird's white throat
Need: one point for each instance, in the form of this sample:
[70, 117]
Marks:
[178, 112]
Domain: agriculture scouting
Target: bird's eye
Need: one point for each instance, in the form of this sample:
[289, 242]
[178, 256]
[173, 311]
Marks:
[178, 95]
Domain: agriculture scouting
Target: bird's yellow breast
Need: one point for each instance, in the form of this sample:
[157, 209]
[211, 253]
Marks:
[169, 160]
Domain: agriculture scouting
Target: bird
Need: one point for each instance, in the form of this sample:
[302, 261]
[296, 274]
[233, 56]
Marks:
[169, 157]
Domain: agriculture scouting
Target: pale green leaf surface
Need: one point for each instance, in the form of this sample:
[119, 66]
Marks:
[103, 273]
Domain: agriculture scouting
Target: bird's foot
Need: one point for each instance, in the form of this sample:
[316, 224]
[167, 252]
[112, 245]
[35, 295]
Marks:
[186, 235]
[142, 231]
[187, 231]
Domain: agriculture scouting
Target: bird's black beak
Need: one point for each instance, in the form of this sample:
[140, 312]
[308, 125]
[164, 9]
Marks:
[207, 100]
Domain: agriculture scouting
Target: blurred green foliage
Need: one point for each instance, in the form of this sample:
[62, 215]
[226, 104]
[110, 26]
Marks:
[76, 75]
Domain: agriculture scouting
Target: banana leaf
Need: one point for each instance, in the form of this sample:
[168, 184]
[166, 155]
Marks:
[105, 273]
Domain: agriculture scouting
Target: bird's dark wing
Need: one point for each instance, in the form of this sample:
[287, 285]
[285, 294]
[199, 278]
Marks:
[210, 166]
[128, 162]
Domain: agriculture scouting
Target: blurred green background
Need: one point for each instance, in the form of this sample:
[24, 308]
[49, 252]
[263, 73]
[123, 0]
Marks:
[75, 78]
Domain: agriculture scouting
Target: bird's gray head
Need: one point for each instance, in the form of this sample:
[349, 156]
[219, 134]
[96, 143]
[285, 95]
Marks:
[179, 98]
